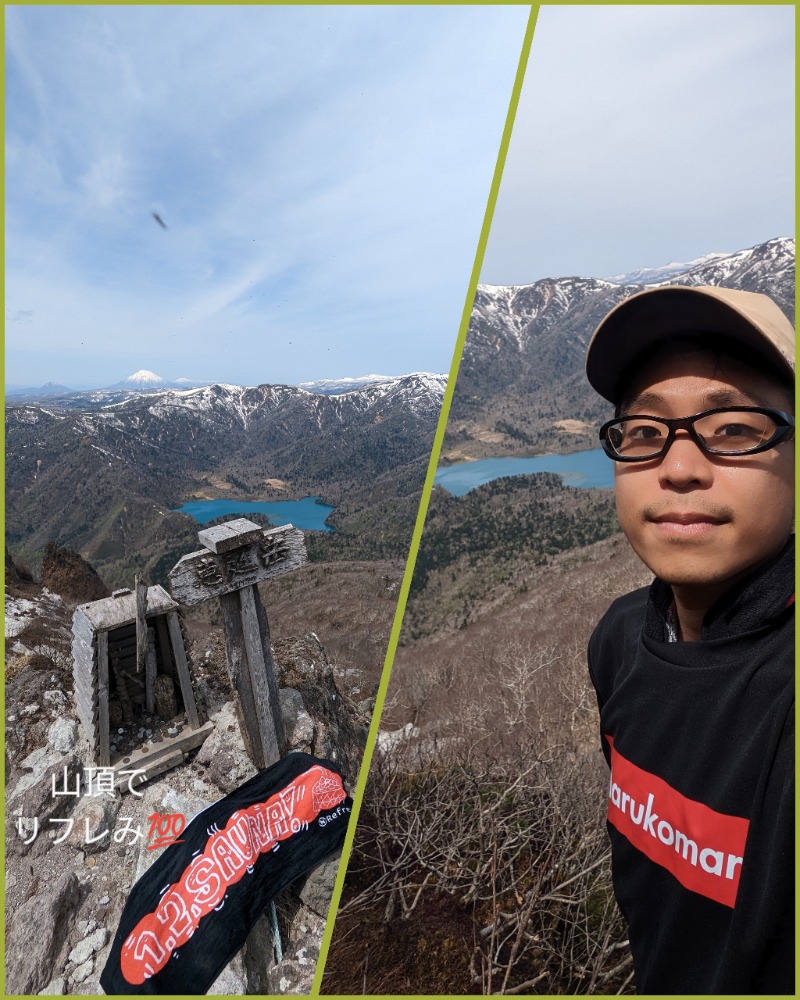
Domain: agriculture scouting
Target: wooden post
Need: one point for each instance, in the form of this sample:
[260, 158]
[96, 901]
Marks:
[237, 556]
[104, 751]
[239, 673]
[271, 670]
[141, 624]
[262, 678]
[151, 671]
[174, 626]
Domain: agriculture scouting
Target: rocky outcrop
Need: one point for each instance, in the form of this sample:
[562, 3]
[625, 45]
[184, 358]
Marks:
[30, 957]
[71, 880]
[340, 727]
[67, 573]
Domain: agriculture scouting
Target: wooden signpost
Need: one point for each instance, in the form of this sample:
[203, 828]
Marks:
[237, 556]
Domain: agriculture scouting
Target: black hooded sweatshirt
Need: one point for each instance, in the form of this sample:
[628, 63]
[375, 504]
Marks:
[700, 740]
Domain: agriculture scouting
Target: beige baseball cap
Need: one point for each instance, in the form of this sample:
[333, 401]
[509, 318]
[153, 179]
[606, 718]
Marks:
[648, 318]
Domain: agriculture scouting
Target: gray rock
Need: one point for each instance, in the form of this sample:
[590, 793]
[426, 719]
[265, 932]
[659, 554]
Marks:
[63, 734]
[83, 971]
[55, 988]
[30, 956]
[56, 700]
[224, 753]
[37, 801]
[230, 982]
[257, 955]
[318, 889]
[94, 814]
[340, 731]
[88, 947]
[36, 761]
[299, 724]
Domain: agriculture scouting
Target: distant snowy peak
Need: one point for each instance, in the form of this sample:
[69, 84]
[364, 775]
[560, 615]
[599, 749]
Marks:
[713, 268]
[146, 381]
[777, 253]
[420, 393]
[335, 386]
[142, 378]
[426, 381]
[558, 314]
[665, 273]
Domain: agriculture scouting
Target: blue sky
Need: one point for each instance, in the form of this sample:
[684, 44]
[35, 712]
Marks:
[644, 135]
[322, 173]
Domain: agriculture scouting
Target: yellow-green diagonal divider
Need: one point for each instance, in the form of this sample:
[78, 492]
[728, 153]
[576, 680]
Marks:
[3, 585]
[358, 794]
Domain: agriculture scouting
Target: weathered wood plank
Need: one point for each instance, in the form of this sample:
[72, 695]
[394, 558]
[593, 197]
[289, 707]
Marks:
[85, 689]
[239, 673]
[152, 768]
[151, 671]
[141, 625]
[83, 649]
[182, 664]
[84, 702]
[230, 535]
[258, 667]
[81, 625]
[201, 575]
[113, 612]
[103, 735]
[87, 713]
[156, 760]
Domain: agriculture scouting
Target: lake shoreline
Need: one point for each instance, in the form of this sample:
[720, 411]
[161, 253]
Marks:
[587, 469]
[308, 513]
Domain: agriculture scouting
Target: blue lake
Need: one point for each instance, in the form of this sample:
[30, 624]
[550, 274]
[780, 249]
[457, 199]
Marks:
[307, 513]
[583, 468]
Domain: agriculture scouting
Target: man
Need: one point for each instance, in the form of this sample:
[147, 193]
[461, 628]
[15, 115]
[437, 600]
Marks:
[694, 675]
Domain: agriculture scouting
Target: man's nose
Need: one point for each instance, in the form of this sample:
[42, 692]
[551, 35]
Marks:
[685, 463]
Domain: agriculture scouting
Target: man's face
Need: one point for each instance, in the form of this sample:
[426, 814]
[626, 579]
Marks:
[701, 522]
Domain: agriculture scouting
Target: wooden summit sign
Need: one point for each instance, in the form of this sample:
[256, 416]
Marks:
[237, 556]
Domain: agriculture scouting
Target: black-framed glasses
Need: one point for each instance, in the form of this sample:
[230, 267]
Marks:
[728, 430]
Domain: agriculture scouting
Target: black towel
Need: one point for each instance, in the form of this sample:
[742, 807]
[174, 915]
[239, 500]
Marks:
[190, 913]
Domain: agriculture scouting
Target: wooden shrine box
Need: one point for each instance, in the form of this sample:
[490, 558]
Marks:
[104, 668]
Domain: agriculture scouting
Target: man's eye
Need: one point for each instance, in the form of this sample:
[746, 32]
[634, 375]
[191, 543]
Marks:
[749, 431]
[644, 432]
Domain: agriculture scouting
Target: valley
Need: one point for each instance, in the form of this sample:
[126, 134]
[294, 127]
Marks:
[102, 479]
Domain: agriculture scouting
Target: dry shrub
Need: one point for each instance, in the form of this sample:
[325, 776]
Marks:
[516, 844]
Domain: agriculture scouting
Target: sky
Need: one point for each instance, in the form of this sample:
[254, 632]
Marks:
[321, 173]
[646, 135]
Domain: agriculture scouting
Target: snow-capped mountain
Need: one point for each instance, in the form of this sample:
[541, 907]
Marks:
[718, 268]
[569, 308]
[334, 386]
[143, 379]
[521, 383]
[665, 273]
[146, 381]
[123, 465]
